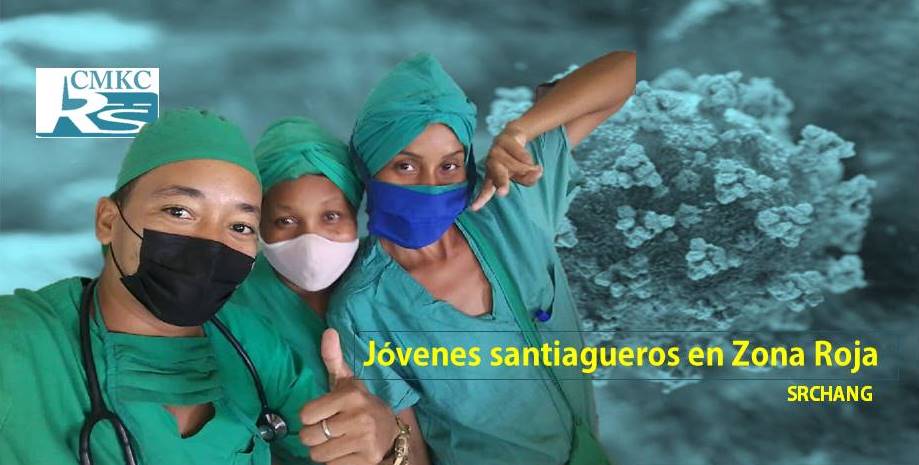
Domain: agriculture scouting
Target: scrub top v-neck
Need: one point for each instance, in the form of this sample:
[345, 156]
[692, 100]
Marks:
[44, 399]
[143, 374]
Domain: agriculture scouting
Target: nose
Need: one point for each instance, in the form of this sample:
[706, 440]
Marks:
[309, 226]
[211, 228]
[428, 177]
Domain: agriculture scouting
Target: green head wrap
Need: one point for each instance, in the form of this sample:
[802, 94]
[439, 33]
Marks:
[293, 147]
[415, 94]
[186, 134]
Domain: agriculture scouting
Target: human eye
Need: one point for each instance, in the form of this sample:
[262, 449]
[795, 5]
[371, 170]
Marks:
[285, 221]
[177, 212]
[243, 228]
[404, 166]
[331, 216]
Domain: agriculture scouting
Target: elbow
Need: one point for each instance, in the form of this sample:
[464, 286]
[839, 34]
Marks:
[625, 74]
[625, 66]
[628, 57]
[630, 62]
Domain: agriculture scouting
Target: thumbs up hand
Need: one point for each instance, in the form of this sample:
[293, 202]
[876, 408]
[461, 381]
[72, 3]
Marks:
[347, 426]
[333, 358]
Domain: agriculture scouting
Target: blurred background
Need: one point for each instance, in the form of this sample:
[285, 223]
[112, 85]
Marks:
[848, 66]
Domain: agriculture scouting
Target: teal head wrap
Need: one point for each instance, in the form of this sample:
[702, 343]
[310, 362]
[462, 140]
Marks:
[416, 93]
[293, 147]
[186, 134]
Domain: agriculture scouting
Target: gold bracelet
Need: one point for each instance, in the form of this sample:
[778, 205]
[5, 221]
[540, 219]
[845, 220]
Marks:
[400, 446]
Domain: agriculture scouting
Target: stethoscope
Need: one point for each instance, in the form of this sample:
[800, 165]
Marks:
[271, 426]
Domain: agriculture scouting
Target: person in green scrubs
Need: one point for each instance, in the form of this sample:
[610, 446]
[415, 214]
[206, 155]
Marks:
[439, 270]
[178, 234]
[308, 230]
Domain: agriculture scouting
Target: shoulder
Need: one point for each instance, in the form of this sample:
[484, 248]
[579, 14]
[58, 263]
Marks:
[252, 289]
[245, 312]
[245, 323]
[39, 333]
[374, 280]
[534, 210]
[512, 216]
[553, 142]
[261, 300]
[33, 313]
[364, 273]
[263, 342]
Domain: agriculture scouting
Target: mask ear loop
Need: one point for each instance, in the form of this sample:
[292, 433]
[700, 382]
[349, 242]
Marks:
[121, 214]
[112, 250]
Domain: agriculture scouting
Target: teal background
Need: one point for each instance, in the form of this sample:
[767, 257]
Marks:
[848, 66]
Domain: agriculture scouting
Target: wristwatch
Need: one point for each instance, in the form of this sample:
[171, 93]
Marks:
[399, 452]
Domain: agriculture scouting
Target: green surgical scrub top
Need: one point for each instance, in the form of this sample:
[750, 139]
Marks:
[266, 296]
[44, 399]
[484, 414]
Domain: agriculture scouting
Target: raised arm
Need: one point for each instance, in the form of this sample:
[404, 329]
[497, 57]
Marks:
[583, 99]
[580, 101]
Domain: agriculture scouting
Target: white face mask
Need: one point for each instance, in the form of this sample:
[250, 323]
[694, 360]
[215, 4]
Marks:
[310, 261]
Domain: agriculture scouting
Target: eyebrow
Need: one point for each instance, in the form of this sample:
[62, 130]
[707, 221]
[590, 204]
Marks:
[248, 208]
[415, 155]
[176, 189]
[322, 201]
[185, 191]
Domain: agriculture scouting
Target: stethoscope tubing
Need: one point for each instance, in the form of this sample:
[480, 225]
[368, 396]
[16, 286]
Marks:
[100, 412]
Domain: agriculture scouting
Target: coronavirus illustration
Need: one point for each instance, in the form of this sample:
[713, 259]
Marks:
[696, 209]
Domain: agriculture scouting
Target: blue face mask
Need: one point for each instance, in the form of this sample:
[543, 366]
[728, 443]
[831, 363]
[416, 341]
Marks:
[414, 216]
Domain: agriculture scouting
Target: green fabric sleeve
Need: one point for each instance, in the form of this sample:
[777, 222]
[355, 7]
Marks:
[289, 383]
[384, 382]
[291, 397]
[33, 406]
[549, 199]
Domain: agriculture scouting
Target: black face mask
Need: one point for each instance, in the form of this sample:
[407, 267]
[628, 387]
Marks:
[184, 280]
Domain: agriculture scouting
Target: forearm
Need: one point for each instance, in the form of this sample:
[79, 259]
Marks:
[603, 85]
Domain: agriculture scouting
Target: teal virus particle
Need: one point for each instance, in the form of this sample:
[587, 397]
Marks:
[697, 210]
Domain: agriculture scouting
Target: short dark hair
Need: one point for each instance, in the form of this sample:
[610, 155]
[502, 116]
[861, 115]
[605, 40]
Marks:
[121, 195]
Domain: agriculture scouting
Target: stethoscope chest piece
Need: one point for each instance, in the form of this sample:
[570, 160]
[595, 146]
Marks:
[271, 426]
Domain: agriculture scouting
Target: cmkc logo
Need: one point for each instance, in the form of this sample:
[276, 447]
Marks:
[95, 102]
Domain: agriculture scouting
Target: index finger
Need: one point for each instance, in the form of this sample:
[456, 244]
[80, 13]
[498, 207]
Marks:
[324, 407]
[487, 192]
[519, 152]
